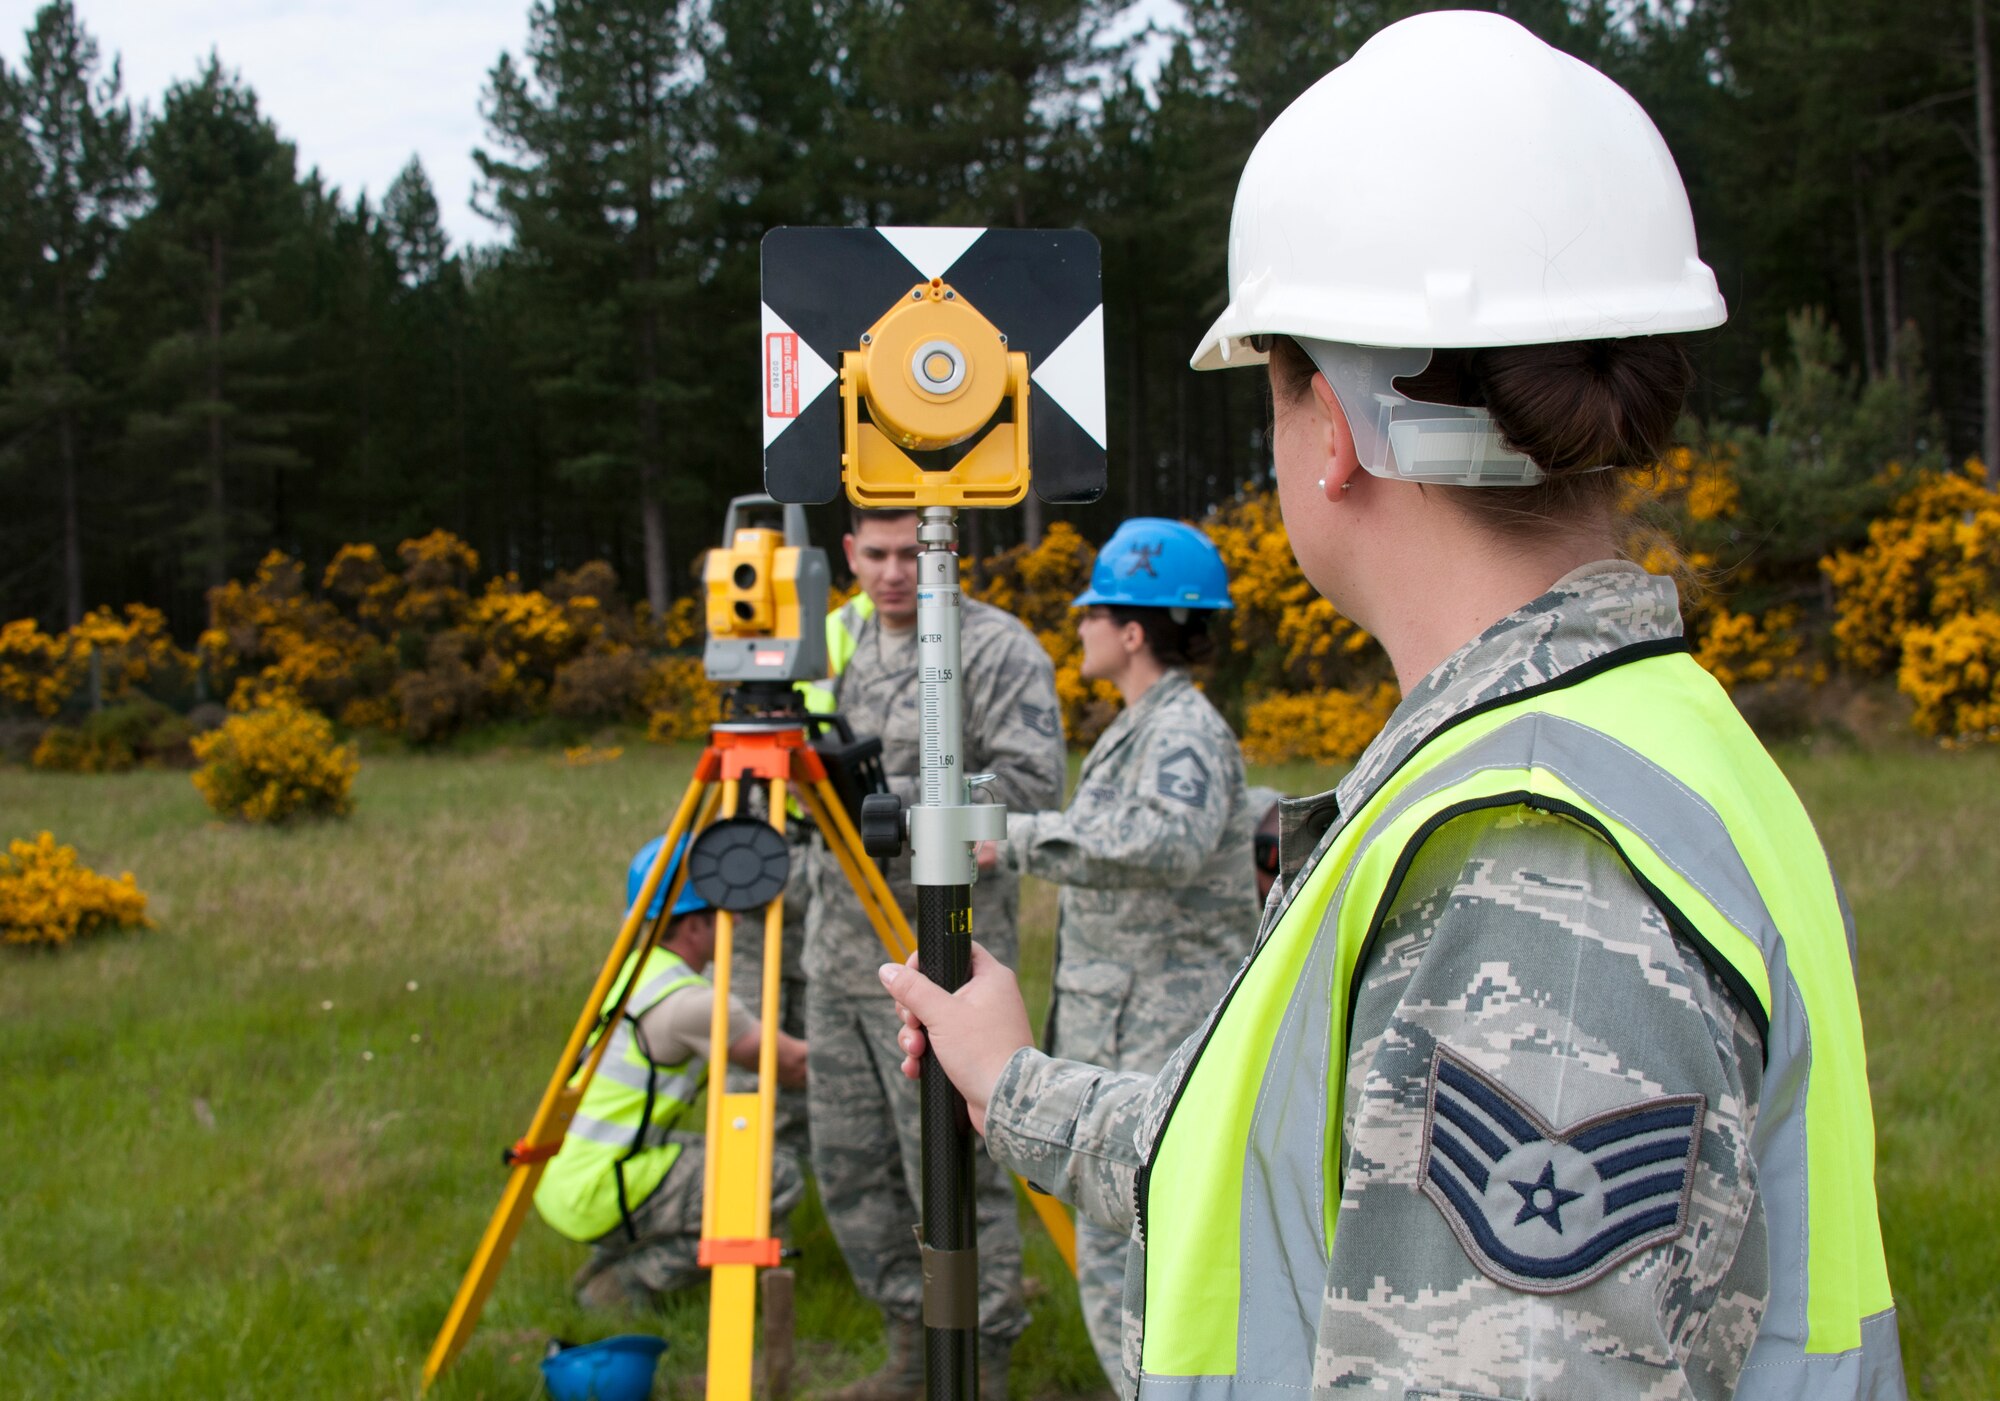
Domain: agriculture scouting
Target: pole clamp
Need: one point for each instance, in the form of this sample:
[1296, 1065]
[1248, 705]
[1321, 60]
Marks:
[951, 1287]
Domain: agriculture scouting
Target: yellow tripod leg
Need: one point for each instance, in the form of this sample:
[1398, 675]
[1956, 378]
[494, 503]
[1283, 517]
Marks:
[565, 1090]
[736, 1197]
[894, 931]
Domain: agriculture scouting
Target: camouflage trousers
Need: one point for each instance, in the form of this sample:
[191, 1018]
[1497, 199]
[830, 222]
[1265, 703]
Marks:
[659, 1254]
[860, 1105]
[1100, 1291]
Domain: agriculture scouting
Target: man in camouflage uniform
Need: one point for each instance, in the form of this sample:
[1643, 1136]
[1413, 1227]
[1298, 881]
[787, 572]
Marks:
[859, 1103]
[1158, 903]
[1517, 939]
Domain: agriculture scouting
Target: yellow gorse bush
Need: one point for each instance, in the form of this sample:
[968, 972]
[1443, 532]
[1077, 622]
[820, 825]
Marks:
[40, 671]
[1934, 556]
[49, 897]
[275, 763]
[1952, 672]
[1330, 726]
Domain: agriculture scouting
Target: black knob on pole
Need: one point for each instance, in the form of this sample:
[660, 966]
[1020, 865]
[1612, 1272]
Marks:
[882, 825]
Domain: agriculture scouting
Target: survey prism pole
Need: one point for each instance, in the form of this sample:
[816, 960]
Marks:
[931, 369]
[944, 825]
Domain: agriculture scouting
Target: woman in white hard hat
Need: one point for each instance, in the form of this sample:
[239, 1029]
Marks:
[1546, 1079]
[1158, 902]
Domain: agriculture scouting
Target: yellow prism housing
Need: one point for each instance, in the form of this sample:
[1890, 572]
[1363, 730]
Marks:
[752, 586]
[933, 371]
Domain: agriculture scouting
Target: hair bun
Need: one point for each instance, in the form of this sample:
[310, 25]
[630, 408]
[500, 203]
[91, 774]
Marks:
[1585, 404]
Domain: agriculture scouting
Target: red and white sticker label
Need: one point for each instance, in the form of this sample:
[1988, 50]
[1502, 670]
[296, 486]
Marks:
[781, 375]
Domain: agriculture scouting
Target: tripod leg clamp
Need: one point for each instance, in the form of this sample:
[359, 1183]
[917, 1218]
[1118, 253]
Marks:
[951, 1287]
[766, 1252]
[524, 1152]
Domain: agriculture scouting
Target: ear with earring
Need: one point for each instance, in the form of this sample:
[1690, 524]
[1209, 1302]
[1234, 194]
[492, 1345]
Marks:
[1343, 486]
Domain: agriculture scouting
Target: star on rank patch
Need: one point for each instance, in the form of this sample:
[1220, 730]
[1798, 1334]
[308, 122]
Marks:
[1544, 1210]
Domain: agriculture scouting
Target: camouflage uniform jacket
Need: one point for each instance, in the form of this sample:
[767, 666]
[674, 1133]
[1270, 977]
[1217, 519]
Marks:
[1523, 940]
[1159, 902]
[1013, 730]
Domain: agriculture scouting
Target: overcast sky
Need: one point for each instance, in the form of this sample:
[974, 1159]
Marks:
[358, 86]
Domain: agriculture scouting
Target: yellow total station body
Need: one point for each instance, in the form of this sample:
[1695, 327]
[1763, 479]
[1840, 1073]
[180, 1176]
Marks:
[933, 372]
[752, 587]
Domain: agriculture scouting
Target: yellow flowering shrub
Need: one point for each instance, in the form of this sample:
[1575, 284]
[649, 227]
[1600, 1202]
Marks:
[41, 672]
[1328, 726]
[1936, 555]
[437, 572]
[1740, 648]
[36, 672]
[48, 897]
[273, 764]
[1952, 672]
[271, 635]
[680, 703]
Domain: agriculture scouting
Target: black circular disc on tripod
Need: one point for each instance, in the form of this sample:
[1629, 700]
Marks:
[739, 863]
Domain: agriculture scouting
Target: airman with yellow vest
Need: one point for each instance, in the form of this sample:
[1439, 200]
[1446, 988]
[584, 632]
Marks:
[629, 1177]
[1546, 1078]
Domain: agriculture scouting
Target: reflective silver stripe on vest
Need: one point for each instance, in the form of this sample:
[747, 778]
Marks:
[1282, 1269]
[683, 1084]
[655, 987]
[620, 1135]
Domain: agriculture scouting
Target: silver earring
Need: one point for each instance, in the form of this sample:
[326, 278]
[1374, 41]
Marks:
[1347, 485]
[1322, 483]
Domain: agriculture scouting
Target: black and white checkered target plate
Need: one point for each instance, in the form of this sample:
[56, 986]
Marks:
[824, 287]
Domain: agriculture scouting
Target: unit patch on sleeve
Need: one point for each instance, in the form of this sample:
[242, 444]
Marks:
[1184, 778]
[1544, 1210]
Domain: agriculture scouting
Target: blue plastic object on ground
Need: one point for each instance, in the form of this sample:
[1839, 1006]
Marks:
[615, 1369]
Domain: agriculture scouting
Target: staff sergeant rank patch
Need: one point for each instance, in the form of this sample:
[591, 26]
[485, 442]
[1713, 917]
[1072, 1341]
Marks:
[1546, 1211]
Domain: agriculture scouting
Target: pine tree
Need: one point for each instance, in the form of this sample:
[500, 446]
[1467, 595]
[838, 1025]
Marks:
[597, 161]
[217, 382]
[80, 185]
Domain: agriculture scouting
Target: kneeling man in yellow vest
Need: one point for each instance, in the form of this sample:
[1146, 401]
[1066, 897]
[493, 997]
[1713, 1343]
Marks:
[629, 1177]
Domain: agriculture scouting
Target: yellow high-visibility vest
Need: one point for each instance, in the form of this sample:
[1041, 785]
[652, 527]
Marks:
[629, 1129]
[1646, 751]
[843, 632]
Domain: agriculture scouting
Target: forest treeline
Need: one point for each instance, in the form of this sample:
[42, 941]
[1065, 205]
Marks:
[208, 352]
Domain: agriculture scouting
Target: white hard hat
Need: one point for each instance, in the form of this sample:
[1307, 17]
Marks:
[1457, 183]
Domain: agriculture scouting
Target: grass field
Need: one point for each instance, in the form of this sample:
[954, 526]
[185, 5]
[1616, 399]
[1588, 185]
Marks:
[248, 1153]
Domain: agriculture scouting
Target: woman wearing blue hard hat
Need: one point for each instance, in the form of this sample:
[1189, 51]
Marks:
[628, 1179]
[1159, 901]
[1546, 1077]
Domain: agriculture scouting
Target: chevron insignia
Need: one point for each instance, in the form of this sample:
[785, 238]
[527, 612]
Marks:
[1545, 1210]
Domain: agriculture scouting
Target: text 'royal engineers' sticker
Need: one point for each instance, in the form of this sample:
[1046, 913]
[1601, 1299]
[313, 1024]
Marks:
[1184, 778]
[781, 375]
[1545, 1210]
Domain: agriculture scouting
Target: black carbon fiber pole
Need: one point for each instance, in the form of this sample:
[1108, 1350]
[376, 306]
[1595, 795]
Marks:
[944, 824]
[950, 1205]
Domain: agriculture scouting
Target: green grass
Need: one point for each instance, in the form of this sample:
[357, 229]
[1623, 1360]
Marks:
[217, 1185]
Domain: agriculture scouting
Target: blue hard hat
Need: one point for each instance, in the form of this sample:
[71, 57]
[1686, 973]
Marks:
[1153, 563]
[616, 1369]
[635, 877]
